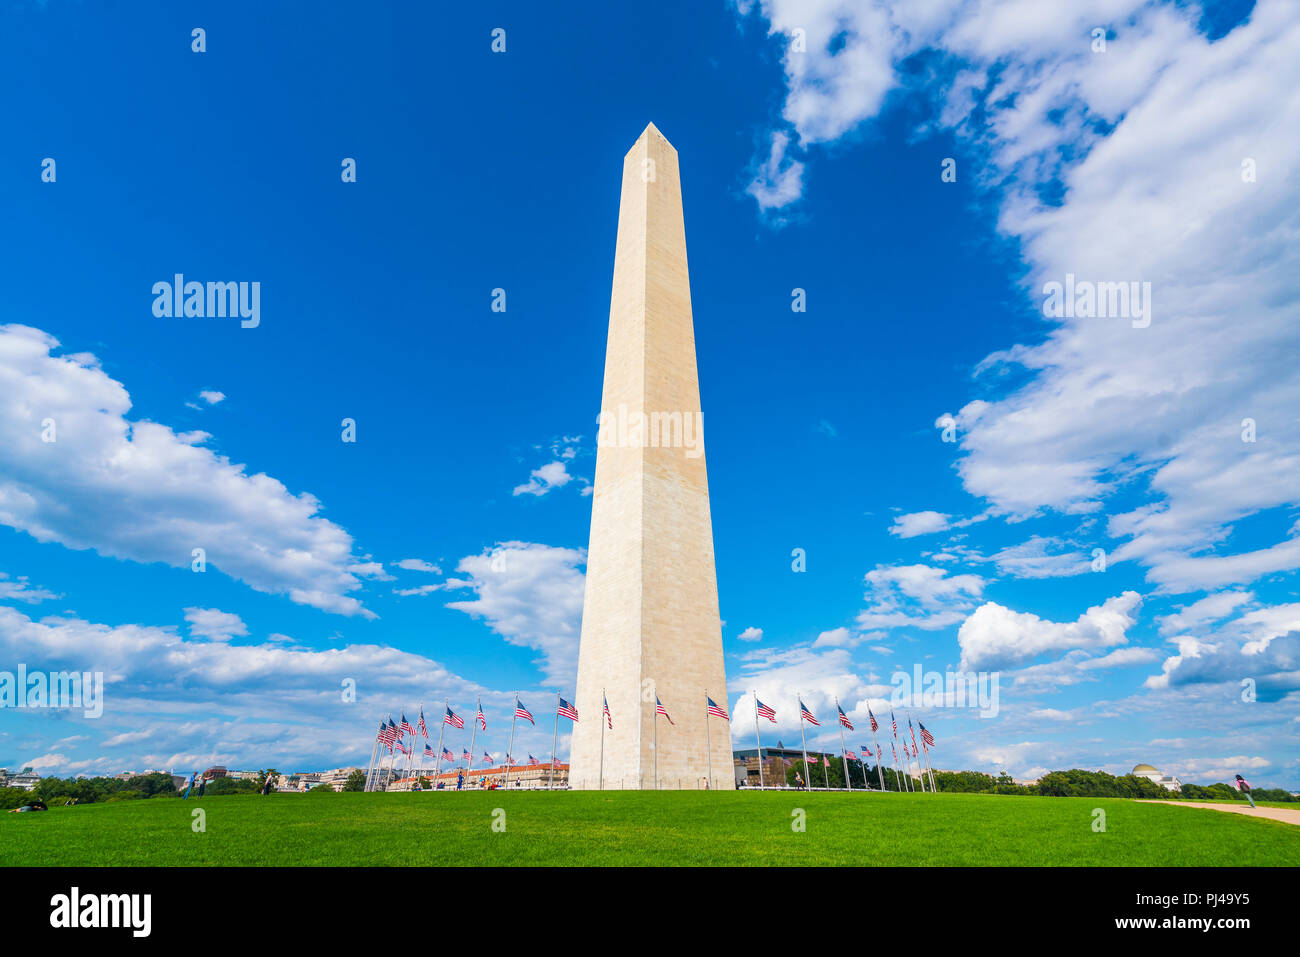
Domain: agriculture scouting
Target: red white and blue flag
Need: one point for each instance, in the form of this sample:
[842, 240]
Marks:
[765, 711]
[850, 756]
[875, 725]
[826, 760]
[447, 755]
[807, 715]
[866, 753]
[608, 717]
[844, 718]
[522, 712]
[428, 750]
[566, 710]
[422, 727]
[405, 726]
[713, 708]
[533, 761]
[927, 737]
[453, 719]
[482, 721]
[487, 758]
[661, 710]
[465, 755]
[401, 747]
[893, 721]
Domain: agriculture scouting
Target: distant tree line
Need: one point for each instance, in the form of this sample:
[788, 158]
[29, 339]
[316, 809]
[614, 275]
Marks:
[1072, 783]
[58, 791]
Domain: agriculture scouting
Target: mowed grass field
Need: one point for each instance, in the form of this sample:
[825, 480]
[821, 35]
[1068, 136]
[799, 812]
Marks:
[642, 828]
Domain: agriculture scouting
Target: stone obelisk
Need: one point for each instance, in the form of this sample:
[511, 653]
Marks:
[650, 624]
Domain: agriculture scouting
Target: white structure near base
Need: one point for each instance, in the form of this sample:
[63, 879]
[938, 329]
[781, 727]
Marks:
[1166, 781]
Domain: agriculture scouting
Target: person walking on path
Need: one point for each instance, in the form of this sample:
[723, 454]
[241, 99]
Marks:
[1244, 788]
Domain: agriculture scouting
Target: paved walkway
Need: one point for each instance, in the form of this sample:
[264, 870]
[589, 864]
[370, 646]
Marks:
[1285, 815]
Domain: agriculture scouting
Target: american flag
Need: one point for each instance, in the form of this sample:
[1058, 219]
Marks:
[765, 711]
[911, 730]
[826, 760]
[428, 750]
[393, 733]
[453, 719]
[875, 725]
[893, 721]
[566, 710]
[850, 756]
[893, 752]
[447, 755]
[482, 721]
[608, 717]
[522, 712]
[927, 737]
[385, 735]
[401, 747]
[405, 726]
[866, 753]
[422, 727]
[661, 710]
[509, 761]
[714, 709]
[465, 755]
[807, 715]
[880, 752]
[844, 718]
[487, 758]
[533, 761]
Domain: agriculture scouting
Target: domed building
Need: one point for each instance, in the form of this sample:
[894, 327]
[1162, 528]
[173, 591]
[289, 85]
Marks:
[1166, 781]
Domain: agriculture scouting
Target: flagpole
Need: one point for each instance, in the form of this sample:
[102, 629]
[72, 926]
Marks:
[600, 781]
[415, 737]
[708, 746]
[505, 781]
[437, 762]
[555, 741]
[370, 768]
[803, 743]
[843, 751]
[911, 730]
[473, 730]
[758, 741]
[880, 755]
[657, 741]
[866, 781]
[898, 780]
[925, 748]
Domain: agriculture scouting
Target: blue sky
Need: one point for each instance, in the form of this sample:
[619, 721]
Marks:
[816, 169]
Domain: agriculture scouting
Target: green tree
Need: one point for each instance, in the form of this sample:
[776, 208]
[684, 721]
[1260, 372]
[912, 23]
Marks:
[356, 781]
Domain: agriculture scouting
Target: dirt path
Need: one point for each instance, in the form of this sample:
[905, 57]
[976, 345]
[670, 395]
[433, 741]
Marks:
[1285, 815]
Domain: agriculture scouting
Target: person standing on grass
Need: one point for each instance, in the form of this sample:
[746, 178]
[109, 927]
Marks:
[1244, 788]
[798, 781]
[189, 787]
[203, 785]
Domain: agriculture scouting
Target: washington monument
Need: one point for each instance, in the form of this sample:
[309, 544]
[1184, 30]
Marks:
[650, 625]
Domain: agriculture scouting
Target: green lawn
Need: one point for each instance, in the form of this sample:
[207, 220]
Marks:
[638, 827]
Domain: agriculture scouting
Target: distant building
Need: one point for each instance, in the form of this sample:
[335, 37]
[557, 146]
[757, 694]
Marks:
[214, 772]
[1166, 781]
[25, 779]
[338, 777]
[775, 761]
[523, 778]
